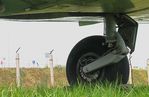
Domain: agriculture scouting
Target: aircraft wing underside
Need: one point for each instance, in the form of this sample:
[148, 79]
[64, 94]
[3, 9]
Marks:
[73, 10]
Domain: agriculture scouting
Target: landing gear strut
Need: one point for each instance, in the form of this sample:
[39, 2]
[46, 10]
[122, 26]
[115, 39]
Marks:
[100, 58]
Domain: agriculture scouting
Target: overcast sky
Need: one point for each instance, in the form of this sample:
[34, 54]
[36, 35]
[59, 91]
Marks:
[38, 38]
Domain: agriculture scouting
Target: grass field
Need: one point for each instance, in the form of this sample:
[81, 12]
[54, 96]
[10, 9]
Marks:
[41, 77]
[106, 90]
[36, 83]
[31, 77]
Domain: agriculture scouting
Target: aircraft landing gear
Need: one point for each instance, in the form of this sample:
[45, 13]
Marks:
[87, 51]
[100, 58]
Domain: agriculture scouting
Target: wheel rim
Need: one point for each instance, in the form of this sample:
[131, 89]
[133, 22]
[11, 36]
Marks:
[83, 61]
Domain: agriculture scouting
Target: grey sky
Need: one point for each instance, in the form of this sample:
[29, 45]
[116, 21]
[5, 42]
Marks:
[37, 38]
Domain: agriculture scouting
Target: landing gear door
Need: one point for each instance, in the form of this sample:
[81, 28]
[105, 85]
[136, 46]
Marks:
[128, 30]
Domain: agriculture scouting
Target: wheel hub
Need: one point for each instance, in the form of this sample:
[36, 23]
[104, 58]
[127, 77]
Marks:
[83, 61]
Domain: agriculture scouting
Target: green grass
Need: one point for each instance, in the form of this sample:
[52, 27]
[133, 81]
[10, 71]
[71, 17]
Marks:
[107, 90]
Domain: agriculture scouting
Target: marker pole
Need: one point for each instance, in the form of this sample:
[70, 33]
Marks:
[51, 69]
[148, 71]
[17, 70]
[130, 74]
[130, 81]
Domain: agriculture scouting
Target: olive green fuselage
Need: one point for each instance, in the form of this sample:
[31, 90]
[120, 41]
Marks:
[17, 7]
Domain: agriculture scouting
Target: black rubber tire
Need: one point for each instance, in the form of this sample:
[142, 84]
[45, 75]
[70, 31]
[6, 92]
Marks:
[113, 73]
